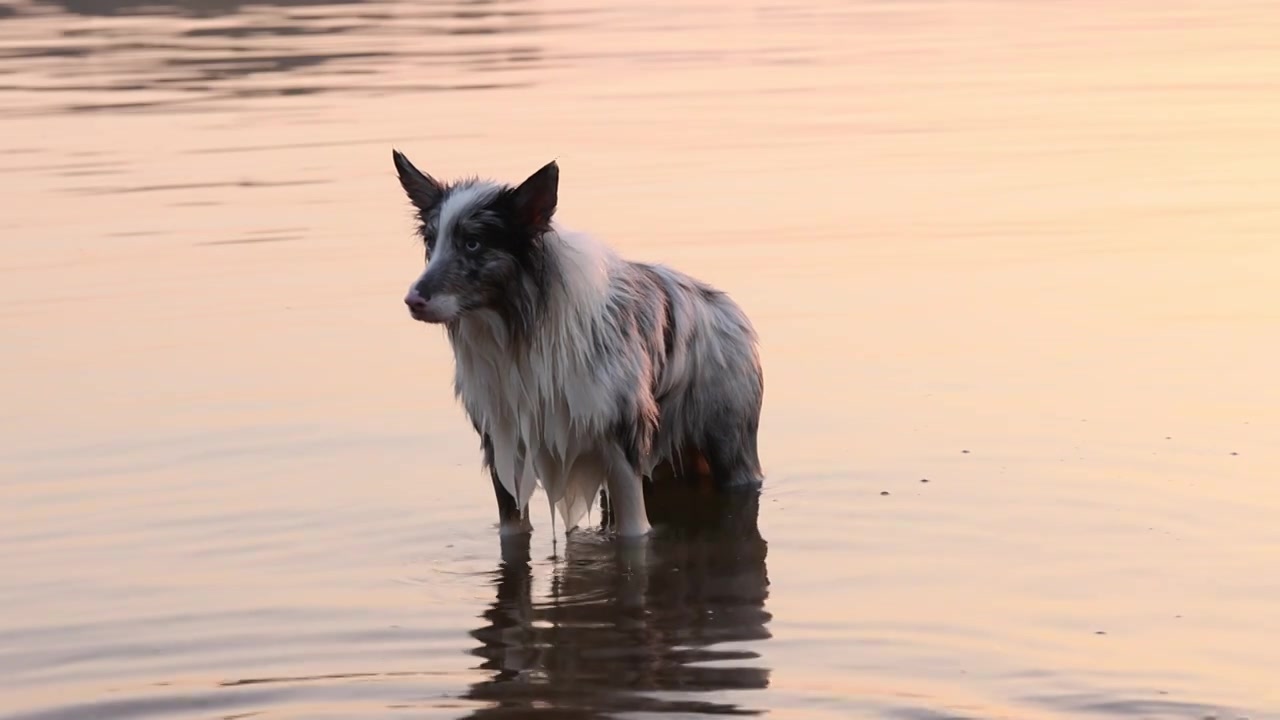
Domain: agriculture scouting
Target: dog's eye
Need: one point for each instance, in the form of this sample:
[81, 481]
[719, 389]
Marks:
[472, 245]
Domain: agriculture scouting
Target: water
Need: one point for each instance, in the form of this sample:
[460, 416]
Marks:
[1025, 251]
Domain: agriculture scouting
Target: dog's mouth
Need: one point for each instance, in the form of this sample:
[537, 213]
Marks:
[426, 315]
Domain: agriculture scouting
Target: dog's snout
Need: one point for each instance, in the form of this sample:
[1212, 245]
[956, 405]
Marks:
[415, 301]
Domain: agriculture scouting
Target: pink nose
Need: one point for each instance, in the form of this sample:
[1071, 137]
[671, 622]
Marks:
[415, 301]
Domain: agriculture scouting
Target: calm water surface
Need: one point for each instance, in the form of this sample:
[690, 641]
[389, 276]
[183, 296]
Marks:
[1027, 251]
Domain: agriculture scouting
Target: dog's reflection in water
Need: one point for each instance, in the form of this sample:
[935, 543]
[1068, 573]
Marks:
[628, 626]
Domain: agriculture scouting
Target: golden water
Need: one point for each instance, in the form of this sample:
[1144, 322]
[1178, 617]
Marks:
[1027, 251]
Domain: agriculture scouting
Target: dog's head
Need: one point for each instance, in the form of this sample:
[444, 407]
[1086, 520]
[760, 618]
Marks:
[482, 239]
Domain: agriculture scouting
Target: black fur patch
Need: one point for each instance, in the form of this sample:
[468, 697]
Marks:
[508, 511]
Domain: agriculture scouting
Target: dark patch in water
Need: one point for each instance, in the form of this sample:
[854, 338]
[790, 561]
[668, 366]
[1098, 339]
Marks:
[247, 184]
[1096, 704]
[251, 241]
[701, 582]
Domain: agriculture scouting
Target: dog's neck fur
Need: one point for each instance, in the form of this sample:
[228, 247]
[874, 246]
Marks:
[531, 388]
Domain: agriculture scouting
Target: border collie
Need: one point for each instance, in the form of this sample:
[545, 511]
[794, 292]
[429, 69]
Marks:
[577, 367]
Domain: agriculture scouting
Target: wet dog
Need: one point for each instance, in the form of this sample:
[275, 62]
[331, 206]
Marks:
[577, 367]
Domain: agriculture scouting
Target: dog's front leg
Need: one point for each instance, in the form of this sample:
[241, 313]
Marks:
[626, 496]
[511, 519]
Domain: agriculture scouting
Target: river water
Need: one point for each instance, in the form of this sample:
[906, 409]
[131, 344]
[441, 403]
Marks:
[1015, 268]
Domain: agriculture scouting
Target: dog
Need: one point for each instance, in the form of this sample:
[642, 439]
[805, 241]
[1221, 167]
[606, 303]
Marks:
[576, 367]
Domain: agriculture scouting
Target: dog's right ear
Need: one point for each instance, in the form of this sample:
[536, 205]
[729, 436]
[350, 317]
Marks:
[536, 196]
[423, 190]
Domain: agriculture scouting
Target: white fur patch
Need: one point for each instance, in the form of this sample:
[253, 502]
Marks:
[546, 409]
[458, 204]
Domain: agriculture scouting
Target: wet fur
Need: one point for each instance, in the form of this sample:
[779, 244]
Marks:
[575, 366]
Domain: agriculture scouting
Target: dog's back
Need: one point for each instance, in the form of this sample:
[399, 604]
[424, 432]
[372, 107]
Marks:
[711, 385]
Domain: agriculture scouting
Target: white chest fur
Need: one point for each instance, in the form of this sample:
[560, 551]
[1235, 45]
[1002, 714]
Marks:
[548, 404]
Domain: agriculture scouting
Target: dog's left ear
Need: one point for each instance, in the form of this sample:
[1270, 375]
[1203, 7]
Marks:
[536, 196]
[423, 190]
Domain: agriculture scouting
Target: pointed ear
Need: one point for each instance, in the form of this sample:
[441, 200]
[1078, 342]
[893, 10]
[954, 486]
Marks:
[536, 196]
[423, 190]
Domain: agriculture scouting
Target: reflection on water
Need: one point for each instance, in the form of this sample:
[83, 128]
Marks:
[631, 628]
[198, 8]
[232, 51]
